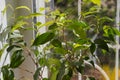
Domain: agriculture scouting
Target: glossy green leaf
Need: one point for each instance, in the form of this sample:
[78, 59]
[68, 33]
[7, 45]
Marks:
[56, 43]
[43, 38]
[36, 75]
[16, 59]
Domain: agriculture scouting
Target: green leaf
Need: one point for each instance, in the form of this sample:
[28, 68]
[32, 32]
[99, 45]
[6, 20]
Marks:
[98, 2]
[34, 15]
[23, 7]
[38, 23]
[110, 32]
[54, 75]
[60, 50]
[7, 74]
[41, 8]
[79, 28]
[52, 62]
[43, 38]
[46, 24]
[18, 25]
[56, 43]
[116, 31]
[53, 26]
[102, 44]
[83, 41]
[16, 59]
[11, 47]
[42, 61]
[36, 75]
[92, 48]
[36, 52]
[105, 19]
[90, 13]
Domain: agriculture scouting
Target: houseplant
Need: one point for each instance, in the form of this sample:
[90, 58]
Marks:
[62, 54]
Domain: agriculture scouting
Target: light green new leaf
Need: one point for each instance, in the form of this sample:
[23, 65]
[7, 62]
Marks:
[98, 2]
[19, 24]
[41, 8]
[46, 24]
[23, 7]
[34, 15]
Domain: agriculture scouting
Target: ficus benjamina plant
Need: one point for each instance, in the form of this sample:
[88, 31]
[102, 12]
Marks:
[65, 45]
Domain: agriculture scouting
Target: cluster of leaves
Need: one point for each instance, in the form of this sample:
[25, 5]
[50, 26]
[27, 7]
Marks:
[67, 56]
[62, 55]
